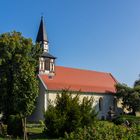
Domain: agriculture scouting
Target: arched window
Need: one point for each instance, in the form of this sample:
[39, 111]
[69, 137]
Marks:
[100, 104]
[115, 104]
[47, 64]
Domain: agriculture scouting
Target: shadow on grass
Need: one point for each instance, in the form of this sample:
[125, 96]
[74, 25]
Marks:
[35, 132]
[39, 136]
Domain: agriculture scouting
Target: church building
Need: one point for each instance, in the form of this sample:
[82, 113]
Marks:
[99, 85]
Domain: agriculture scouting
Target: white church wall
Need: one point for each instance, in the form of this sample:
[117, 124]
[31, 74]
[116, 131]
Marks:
[107, 101]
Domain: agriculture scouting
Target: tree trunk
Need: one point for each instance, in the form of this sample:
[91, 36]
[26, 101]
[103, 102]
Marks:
[24, 129]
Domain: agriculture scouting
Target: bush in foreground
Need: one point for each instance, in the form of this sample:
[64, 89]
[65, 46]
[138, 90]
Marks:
[104, 131]
[68, 114]
[14, 126]
[130, 118]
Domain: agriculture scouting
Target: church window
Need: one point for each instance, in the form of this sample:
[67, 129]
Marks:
[47, 64]
[115, 104]
[100, 104]
[41, 65]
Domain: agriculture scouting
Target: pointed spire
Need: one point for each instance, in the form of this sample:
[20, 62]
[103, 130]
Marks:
[42, 35]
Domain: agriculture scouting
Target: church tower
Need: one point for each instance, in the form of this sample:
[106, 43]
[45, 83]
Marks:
[46, 60]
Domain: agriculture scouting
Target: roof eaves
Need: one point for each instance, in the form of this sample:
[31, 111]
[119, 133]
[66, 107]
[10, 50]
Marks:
[82, 92]
[42, 82]
[47, 55]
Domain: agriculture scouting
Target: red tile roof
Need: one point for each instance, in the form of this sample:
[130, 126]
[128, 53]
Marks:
[77, 79]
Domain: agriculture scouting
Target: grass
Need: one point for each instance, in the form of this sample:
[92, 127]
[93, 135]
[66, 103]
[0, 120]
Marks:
[35, 131]
[35, 128]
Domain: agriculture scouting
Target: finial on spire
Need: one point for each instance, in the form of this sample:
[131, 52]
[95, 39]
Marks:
[42, 15]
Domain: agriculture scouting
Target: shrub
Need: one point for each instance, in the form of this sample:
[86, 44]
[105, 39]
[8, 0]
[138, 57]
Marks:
[123, 118]
[54, 122]
[14, 126]
[3, 130]
[103, 130]
[68, 114]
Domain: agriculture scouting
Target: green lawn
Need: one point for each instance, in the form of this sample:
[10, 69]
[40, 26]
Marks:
[35, 131]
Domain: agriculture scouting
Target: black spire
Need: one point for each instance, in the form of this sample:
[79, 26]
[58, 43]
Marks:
[42, 35]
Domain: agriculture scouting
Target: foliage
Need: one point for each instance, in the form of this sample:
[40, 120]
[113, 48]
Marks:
[130, 97]
[14, 126]
[104, 130]
[87, 112]
[68, 114]
[18, 68]
[137, 82]
[123, 118]
[3, 130]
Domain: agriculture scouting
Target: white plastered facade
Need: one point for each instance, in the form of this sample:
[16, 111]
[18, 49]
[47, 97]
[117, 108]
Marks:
[47, 95]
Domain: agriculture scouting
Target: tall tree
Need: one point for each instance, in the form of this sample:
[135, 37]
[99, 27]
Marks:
[18, 79]
[130, 97]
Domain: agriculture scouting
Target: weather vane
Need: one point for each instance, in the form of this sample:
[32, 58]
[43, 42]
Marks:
[42, 14]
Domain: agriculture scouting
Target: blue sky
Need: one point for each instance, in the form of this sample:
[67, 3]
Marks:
[101, 35]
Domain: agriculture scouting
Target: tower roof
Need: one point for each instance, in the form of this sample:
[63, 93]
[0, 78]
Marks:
[47, 55]
[42, 35]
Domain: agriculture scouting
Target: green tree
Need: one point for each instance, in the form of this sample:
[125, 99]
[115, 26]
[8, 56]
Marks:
[137, 82]
[68, 113]
[18, 69]
[130, 97]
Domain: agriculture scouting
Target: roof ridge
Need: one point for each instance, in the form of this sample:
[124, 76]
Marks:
[84, 69]
[113, 78]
